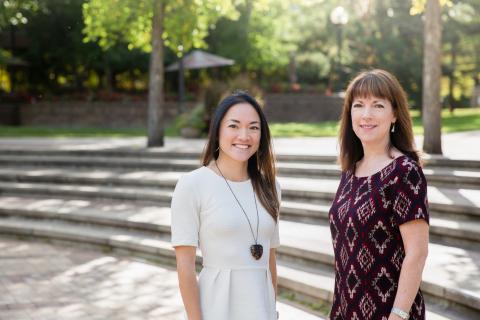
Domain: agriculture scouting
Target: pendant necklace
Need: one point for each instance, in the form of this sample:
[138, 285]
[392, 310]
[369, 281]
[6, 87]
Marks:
[255, 249]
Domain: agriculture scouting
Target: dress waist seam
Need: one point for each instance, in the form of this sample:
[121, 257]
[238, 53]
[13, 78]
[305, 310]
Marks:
[235, 267]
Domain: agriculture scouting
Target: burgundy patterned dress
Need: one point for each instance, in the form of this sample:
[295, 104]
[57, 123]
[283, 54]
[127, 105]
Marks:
[364, 222]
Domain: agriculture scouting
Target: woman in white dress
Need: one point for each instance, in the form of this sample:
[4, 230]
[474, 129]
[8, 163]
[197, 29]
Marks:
[229, 209]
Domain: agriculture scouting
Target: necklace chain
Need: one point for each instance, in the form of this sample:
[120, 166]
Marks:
[239, 204]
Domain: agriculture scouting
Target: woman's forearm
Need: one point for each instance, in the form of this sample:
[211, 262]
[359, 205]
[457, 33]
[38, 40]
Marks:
[187, 279]
[273, 269]
[409, 282]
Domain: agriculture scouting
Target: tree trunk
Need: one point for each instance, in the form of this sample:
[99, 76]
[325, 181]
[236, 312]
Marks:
[451, 76]
[156, 75]
[432, 142]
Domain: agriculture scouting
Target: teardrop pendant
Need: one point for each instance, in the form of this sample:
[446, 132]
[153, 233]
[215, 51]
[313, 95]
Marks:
[256, 250]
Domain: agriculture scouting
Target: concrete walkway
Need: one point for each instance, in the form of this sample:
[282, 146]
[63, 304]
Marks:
[40, 281]
[462, 145]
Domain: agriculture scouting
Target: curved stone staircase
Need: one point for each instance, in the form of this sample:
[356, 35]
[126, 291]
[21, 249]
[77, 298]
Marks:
[119, 200]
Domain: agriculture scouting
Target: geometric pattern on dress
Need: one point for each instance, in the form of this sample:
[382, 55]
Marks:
[365, 258]
[338, 284]
[417, 307]
[384, 284]
[352, 281]
[351, 234]
[347, 188]
[337, 315]
[343, 210]
[397, 258]
[344, 257]
[343, 304]
[385, 199]
[387, 170]
[420, 214]
[375, 238]
[366, 210]
[334, 231]
[412, 178]
[367, 306]
[402, 204]
[380, 236]
[362, 190]
[393, 222]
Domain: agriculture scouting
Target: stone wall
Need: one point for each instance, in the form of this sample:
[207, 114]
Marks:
[90, 114]
[279, 107]
[9, 115]
[302, 107]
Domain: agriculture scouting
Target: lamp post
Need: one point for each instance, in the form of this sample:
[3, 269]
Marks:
[181, 81]
[339, 17]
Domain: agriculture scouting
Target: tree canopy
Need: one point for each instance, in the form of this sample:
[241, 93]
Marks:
[90, 45]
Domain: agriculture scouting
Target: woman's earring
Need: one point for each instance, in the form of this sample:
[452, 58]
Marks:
[218, 148]
[393, 127]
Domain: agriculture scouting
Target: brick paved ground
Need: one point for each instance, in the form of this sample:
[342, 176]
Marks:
[40, 281]
[459, 145]
[43, 281]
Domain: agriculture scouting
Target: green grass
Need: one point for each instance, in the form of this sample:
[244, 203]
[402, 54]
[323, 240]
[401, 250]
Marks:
[294, 129]
[319, 307]
[10, 131]
[462, 120]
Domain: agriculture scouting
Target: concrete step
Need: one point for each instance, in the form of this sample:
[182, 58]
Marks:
[310, 245]
[86, 191]
[465, 178]
[467, 230]
[122, 152]
[441, 200]
[301, 282]
[144, 217]
[445, 229]
[154, 217]
[106, 177]
[458, 203]
[99, 162]
[306, 245]
[430, 161]
[316, 286]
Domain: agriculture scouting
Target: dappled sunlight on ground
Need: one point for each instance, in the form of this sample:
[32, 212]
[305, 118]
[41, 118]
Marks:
[43, 281]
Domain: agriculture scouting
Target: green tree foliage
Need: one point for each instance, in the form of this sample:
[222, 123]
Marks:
[58, 59]
[13, 12]
[387, 36]
[256, 40]
[185, 26]
[461, 44]
[150, 25]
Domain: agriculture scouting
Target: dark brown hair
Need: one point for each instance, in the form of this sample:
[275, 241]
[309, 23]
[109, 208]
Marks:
[381, 84]
[261, 165]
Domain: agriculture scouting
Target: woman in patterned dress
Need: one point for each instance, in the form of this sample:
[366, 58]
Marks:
[379, 217]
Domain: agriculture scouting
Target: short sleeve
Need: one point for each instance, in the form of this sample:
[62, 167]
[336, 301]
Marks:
[411, 202]
[185, 210]
[275, 239]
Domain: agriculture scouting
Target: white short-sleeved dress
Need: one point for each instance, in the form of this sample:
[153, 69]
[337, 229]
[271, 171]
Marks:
[233, 285]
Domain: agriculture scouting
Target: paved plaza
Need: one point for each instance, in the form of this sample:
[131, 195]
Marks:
[461, 145]
[41, 281]
[57, 281]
